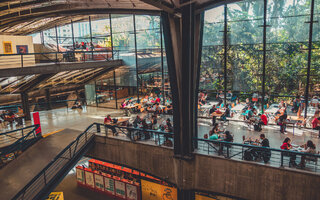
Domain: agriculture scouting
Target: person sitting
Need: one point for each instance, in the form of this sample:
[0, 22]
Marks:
[309, 147]
[108, 120]
[216, 129]
[137, 121]
[286, 145]
[155, 122]
[264, 154]
[213, 135]
[296, 105]
[226, 114]
[212, 110]
[169, 127]
[316, 124]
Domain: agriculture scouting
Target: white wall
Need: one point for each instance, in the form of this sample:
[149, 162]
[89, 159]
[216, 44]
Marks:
[15, 61]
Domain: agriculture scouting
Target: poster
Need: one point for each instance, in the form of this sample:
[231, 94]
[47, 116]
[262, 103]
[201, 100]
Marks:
[120, 189]
[212, 197]
[80, 175]
[89, 179]
[109, 185]
[154, 191]
[22, 49]
[7, 47]
[132, 192]
[98, 179]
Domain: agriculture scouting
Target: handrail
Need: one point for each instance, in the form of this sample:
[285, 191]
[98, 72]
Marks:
[56, 52]
[274, 157]
[42, 174]
[256, 147]
[19, 129]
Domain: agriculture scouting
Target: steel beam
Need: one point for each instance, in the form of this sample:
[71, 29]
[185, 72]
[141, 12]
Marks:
[55, 68]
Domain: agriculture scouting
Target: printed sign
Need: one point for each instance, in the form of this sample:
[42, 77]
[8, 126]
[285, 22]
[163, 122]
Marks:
[80, 175]
[132, 192]
[89, 179]
[154, 191]
[212, 197]
[109, 185]
[98, 179]
[120, 189]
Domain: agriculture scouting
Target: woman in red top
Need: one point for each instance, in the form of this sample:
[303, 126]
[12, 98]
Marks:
[316, 124]
[107, 120]
[286, 145]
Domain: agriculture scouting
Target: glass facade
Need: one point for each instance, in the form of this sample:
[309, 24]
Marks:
[238, 28]
[135, 39]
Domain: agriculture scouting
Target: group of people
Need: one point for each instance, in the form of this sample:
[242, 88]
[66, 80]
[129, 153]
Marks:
[309, 147]
[84, 46]
[151, 103]
[9, 117]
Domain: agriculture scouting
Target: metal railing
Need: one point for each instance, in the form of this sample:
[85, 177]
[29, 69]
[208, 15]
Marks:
[257, 154]
[31, 59]
[41, 184]
[12, 143]
[160, 138]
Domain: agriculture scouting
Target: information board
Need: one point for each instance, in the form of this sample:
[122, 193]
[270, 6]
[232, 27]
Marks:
[132, 192]
[98, 179]
[154, 191]
[80, 176]
[109, 185]
[89, 179]
[120, 189]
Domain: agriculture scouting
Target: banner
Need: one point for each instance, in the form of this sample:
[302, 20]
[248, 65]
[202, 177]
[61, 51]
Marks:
[80, 176]
[132, 192]
[120, 189]
[36, 120]
[154, 191]
[109, 185]
[98, 179]
[89, 179]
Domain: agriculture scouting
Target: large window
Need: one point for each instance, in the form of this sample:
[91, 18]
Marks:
[238, 28]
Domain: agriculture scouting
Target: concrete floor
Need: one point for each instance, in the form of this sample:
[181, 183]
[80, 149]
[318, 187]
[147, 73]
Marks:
[57, 119]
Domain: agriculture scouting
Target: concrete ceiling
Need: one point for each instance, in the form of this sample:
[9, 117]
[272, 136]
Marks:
[27, 16]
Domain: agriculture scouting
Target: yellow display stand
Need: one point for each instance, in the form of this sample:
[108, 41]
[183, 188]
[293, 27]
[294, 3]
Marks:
[55, 196]
[154, 191]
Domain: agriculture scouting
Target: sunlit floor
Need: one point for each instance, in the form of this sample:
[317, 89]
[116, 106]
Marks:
[58, 119]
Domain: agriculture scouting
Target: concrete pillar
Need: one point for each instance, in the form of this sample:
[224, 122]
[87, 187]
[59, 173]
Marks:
[48, 101]
[25, 105]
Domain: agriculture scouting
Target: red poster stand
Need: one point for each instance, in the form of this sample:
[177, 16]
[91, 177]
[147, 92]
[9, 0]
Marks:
[36, 120]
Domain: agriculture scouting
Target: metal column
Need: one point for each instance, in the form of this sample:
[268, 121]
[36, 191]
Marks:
[162, 70]
[72, 31]
[111, 36]
[57, 42]
[48, 98]
[264, 53]
[115, 87]
[225, 33]
[90, 37]
[309, 58]
[136, 53]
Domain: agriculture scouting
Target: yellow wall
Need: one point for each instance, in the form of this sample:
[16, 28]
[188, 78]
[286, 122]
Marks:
[15, 61]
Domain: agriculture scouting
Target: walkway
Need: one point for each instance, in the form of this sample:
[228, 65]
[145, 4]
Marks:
[18, 173]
